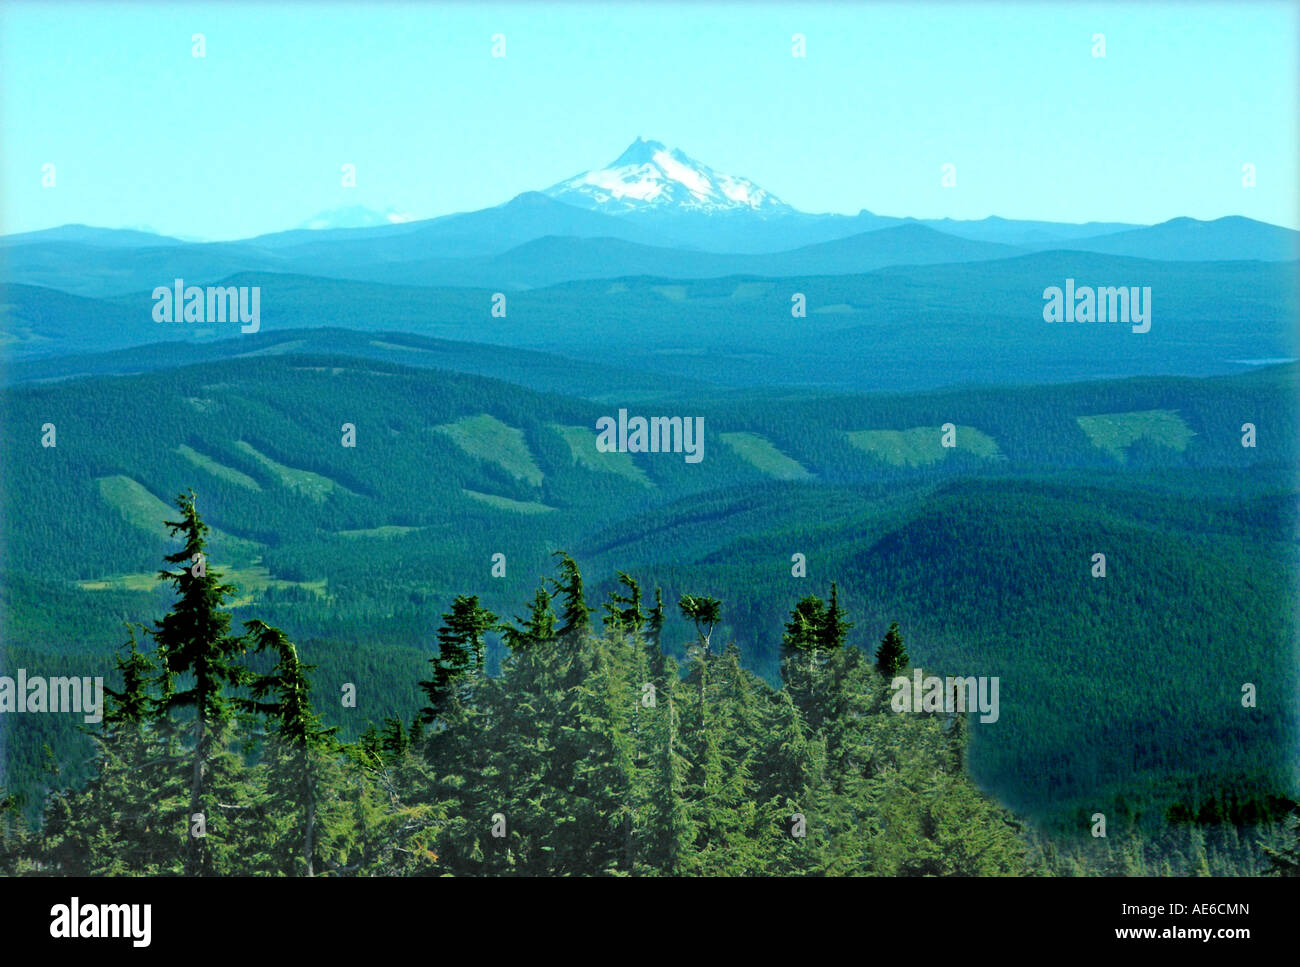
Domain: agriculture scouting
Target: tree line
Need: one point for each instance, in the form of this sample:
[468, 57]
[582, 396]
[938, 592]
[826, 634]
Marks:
[591, 753]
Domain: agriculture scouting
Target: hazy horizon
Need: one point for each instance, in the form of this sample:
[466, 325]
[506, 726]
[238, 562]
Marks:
[250, 137]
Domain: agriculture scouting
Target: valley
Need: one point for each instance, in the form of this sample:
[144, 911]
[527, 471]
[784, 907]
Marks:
[800, 435]
[982, 549]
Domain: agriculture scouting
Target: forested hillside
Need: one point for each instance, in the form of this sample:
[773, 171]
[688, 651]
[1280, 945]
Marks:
[591, 753]
[982, 551]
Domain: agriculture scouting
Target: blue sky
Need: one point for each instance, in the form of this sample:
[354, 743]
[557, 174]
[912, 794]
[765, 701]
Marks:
[251, 138]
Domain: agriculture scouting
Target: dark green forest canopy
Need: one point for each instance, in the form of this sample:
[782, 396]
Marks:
[589, 754]
[983, 559]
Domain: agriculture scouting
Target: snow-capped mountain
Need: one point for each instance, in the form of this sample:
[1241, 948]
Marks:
[649, 177]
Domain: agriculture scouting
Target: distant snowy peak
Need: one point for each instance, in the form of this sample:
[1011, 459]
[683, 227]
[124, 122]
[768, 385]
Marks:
[649, 177]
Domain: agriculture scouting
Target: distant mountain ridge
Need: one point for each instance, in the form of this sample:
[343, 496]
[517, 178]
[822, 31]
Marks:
[534, 241]
[650, 194]
[654, 210]
[912, 325]
[89, 235]
[649, 175]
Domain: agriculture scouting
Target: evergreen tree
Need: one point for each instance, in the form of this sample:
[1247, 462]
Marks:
[803, 647]
[577, 616]
[194, 639]
[657, 619]
[891, 656]
[705, 612]
[806, 629]
[717, 729]
[125, 824]
[299, 757]
[596, 761]
[1285, 860]
[511, 767]
[789, 769]
[460, 652]
[538, 629]
[396, 814]
[669, 829]
[835, 628]
[623, 611]
[598, 758]
[847, 703]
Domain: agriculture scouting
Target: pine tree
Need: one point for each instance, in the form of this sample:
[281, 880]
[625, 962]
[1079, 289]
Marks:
[577, 616]
[802, 649]
[657, 619]
[460, 652]
[392, 808]
[537, 629]
[131, 708]
[891, 656]
[601, 758]
[623, 611]
[717, 728]
[194, 639]
[300, 753]
[1285, 860]
[790, 768]
[127, 827]
[705, 612]
[806, 629]
[846, 706]
[669, 829]
[595, 759]
[834, 629]
[511, 766]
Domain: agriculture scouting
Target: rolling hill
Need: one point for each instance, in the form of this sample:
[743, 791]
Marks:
[356, 550]
[896, 327]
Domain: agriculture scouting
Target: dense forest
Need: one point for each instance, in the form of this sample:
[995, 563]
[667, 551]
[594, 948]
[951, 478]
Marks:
[981, 552]
[590, 752]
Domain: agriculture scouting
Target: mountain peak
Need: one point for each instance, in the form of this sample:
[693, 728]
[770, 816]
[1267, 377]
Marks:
[639, 152]
[650, 177]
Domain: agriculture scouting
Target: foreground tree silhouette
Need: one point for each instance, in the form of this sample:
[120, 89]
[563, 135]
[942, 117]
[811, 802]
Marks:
[194, 639]
[598, 756]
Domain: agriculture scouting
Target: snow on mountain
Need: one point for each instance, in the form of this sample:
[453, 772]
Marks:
[648, 177]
